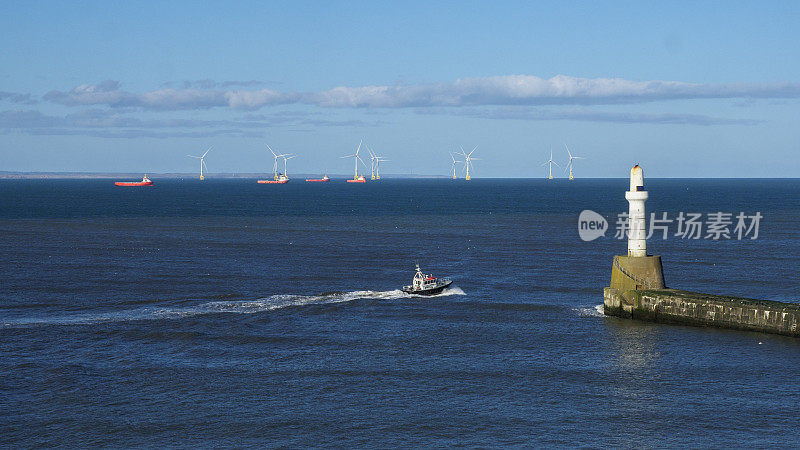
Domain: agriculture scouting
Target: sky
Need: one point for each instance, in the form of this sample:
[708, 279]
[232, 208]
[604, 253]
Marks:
[686, 89]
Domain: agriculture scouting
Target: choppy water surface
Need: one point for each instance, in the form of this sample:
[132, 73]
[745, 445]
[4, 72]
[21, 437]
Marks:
[231, 313]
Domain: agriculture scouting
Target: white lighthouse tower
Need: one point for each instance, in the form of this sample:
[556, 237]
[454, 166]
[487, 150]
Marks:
[637, 270]
[636, 196]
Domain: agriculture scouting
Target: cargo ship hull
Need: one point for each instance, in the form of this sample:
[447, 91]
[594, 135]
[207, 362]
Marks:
[132, 183]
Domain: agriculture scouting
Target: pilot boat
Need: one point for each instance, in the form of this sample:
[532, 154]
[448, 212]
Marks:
[145, 182]
[426, 284]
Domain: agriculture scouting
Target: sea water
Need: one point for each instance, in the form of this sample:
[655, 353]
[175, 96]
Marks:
[229, 313]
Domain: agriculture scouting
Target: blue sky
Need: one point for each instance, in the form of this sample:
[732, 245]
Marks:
[683, 88]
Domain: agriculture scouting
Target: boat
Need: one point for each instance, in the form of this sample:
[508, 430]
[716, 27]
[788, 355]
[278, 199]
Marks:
[426, 284]
[281, 179]
[324, 179]
[358, 179]
[145, 182]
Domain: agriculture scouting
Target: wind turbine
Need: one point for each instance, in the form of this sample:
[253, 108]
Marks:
[378, 160]
[468, 161]
[550, 162]
[275, 164]
[372, 164]
[454, 164]
[569, 164]
[356, 159]
[285, 158]
[202, 163]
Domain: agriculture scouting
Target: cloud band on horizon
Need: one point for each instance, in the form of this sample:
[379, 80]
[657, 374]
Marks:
[523, 90]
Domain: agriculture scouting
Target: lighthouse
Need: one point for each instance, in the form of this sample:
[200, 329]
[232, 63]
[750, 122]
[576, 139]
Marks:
[636, 270]
[637, 231]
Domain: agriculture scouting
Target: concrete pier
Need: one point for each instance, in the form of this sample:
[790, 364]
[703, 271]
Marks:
[692, 308]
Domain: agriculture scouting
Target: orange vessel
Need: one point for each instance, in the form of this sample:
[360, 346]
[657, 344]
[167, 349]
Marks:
[145, 182]
[282, 179]
[324, 179]
[358, 179]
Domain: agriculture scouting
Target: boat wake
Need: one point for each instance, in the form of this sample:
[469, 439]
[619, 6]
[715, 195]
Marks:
[265, 304]
[590, 311]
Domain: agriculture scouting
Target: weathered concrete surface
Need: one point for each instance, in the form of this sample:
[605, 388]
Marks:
[637, 272]
[690, 308]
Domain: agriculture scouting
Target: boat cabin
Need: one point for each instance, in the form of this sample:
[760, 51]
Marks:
[423, 281]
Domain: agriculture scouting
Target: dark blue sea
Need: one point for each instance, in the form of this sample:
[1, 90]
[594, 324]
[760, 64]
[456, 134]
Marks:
[227, 313]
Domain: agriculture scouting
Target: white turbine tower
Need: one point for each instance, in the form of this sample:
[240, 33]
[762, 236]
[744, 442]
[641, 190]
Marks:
[378, 160]
[468, 161]
[454, 164]
[550, 162]
[275, 163]
[372, 163]
[356, 159]
[570, 163]
[286, 158]
[202, 163]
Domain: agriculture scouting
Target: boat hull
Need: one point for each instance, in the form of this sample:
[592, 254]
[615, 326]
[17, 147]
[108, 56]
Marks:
[321, 180]
[359, 180]
[431, 291]
[133, 183]
[273, 181]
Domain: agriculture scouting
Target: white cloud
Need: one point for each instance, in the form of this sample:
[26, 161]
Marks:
[586, 115]
[500, 90]
[110, 123]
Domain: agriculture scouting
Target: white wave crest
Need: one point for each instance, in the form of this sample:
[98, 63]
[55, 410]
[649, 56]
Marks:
[265, 304]
[590, 311]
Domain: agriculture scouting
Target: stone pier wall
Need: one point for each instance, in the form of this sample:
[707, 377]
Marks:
[690, 308]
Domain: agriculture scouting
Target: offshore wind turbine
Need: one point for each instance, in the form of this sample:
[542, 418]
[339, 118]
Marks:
[285, 158]
[550, 162]
[275, 164]
[202, 163]
[570, 163]
[372, 164]
[356, 177]
[454, 164]
[468, 161]
[378, 160]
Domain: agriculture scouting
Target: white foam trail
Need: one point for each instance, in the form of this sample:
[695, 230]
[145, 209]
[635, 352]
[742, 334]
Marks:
[590, 311]
[265, 304]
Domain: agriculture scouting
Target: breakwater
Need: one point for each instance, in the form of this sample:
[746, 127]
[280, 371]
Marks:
[692, 308]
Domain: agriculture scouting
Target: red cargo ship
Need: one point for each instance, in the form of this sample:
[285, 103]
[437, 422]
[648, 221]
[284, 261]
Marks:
[324, 179]
[282, 179]
[145, 182]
